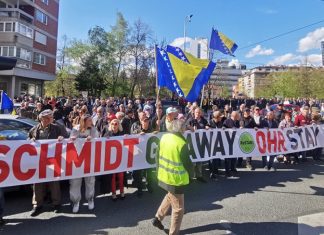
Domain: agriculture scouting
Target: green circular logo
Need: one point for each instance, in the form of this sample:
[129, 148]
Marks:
[247, 144]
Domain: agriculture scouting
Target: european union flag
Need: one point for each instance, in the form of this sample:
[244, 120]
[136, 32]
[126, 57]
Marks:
[220, 42]
[5, 102]
[180, 76]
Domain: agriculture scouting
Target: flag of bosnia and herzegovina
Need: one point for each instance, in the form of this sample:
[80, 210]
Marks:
[182, 72]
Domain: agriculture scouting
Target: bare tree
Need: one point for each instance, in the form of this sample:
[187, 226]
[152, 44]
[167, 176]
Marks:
[138, 52]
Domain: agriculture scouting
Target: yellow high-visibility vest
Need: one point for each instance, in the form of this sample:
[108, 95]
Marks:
[171, 170]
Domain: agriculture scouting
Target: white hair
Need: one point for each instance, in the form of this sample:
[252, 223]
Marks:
[175, 126]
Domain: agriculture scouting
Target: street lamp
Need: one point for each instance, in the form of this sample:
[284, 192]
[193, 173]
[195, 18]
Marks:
[187, 20]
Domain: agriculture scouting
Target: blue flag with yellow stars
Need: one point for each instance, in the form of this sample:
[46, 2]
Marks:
[182, 73]
[220, 42]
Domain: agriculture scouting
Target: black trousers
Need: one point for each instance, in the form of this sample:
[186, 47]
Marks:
[230, 164]
[214, 165]
[248, 161]
[138, 175]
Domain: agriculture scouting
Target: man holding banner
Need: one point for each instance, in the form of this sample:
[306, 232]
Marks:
[46, 130]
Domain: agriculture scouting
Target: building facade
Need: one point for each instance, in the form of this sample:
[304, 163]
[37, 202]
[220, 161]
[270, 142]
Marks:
[28, 32]
[224, 78]
[199, 48]
[256, 78]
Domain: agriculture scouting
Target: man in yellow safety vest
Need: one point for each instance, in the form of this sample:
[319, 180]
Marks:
[173, 167]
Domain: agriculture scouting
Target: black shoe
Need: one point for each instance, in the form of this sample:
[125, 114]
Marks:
[36, 211]
[228, 174]
[150, 189]
[304, 159]
[157, 223]
[201, 179]
[234, 170]
[57, 209]
[139, 194]
[2, 222]
[212, 176]
[167, 231]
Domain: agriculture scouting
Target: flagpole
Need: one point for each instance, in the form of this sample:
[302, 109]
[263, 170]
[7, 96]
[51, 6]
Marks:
[157, 88]
[203, 88]
[1, 92]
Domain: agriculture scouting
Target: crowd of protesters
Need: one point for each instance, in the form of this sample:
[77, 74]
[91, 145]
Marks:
[93, 117]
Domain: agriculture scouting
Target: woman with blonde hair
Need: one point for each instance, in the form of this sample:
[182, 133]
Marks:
[84, 130]
[83, 111]
[115, 129]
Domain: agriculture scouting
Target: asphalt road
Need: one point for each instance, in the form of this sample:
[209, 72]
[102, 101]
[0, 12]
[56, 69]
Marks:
[258, 202]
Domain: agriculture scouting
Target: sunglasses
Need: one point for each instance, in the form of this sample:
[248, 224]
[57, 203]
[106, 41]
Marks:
[114, 124]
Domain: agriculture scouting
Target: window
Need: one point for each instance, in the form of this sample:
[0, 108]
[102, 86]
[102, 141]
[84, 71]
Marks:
[8, 51]
[8, 124]
[39, 59]
[41, 38]
[23, 64]
[41, 17]
[24, 54]
[3, 4]
[3, 86]
[7, 27]
[23, 88]
[25, 30]
[45, 2]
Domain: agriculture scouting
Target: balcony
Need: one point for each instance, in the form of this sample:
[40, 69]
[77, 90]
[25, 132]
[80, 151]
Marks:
[7, 14]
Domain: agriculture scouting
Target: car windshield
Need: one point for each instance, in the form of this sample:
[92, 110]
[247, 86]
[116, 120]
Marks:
[28, 120]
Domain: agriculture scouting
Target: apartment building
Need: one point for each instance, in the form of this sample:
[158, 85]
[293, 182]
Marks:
[28, 32]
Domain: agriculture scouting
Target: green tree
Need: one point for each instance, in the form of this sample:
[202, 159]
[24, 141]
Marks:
[302, 82]
[64, 84]
[90, 78]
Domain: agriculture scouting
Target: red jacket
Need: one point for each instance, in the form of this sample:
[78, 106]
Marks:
[300, 120]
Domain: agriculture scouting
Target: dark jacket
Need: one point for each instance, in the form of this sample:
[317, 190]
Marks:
[271, 124]
[230, 123]
[214, 124]
[201, 124]
[54, 132]
[248, 123]
[127, 124]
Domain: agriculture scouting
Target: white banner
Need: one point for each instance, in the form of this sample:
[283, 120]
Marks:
[26, 162]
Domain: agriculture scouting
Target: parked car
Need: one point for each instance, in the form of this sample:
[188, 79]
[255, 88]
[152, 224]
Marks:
[11, 123]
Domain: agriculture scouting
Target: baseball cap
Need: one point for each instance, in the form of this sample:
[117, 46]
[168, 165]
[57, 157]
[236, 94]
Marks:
[147, 107]
[171, 110]
[46, 112]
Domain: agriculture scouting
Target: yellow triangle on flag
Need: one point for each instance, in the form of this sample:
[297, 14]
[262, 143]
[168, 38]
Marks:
[185, 73]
